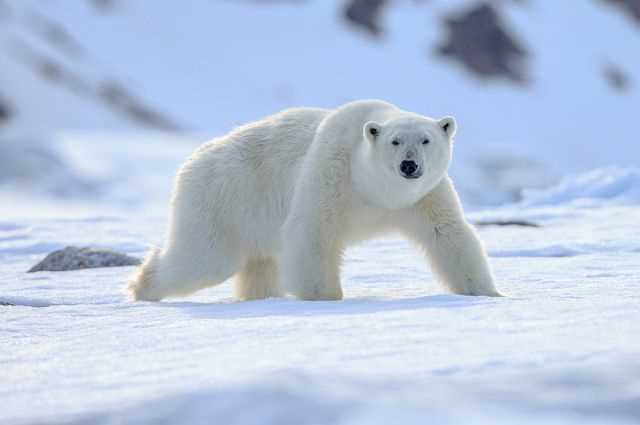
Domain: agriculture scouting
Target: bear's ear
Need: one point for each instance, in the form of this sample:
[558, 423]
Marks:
[448, 125]
[372, 131]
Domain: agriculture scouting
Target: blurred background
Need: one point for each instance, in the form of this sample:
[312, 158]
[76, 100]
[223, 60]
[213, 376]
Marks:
[101, 99]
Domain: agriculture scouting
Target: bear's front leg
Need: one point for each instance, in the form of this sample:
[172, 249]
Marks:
[310, 262]
[311, 242]
[452, 245]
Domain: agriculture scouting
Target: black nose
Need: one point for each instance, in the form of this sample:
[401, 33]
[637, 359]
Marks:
[408, 168]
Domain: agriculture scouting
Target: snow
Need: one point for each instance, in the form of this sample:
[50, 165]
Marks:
[561, 347]
[609, 185]
[211, 66]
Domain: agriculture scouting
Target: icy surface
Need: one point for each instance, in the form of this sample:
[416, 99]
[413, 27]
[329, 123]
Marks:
[561, 347]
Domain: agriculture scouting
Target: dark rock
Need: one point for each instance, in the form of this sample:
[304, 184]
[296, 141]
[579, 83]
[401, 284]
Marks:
[119, 98]
[75, 258]
[103, 5]
[110, 93]
[616, 78]
[521, 223]
[56, 35]
[5, 113]
[479, 40]
[365, 14]
[630, 7]
[52, 70]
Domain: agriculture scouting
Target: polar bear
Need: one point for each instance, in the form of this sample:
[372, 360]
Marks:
[276, 202]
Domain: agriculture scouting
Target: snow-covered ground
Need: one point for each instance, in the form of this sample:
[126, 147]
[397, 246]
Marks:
[562, 347]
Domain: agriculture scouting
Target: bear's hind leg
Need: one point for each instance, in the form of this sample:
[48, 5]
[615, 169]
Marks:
[258, 279]
[171, 274]
[139, 288]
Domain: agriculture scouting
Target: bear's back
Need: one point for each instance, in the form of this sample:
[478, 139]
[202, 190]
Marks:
[250, 174]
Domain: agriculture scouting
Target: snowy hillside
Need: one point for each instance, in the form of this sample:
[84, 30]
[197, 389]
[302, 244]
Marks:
[207, 66]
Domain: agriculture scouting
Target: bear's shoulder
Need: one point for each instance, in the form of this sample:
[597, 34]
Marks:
[367, 107]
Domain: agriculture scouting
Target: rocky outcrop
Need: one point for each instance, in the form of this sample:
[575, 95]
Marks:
[75, 258]
[110, 93]
[5, 113]
[616, 77]
[478, 39]
[630, 7]
[103, 5]
[46, 48]
[365, 14]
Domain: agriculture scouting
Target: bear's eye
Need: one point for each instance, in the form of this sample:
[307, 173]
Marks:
[425, 142]
[373, 131]
[395, 143]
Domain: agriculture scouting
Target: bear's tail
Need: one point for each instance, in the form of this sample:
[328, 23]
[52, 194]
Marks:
[140, 287]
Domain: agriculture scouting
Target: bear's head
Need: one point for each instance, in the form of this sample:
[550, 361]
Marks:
[410, 155]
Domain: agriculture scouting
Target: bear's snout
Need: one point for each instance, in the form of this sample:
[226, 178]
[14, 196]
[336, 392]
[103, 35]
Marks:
[409, 169]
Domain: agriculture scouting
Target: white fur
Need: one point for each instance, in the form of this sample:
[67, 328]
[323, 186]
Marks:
[278, 201]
